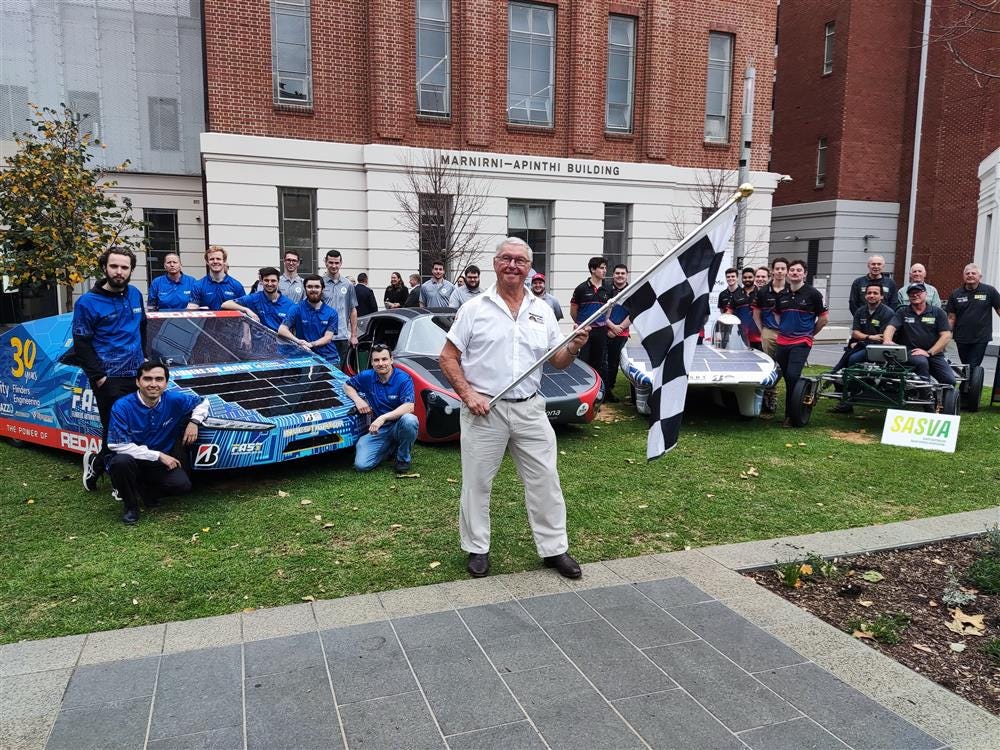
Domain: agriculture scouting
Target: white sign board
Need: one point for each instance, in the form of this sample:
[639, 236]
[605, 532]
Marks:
[919, 429]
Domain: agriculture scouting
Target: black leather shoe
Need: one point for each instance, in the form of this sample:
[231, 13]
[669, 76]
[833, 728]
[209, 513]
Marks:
[564, 565]
[130, 516]
[478, 564]
[401, 467]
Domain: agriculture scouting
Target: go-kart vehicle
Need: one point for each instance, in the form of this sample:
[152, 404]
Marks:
[271, 400]
[732, 373]
[886, 380]
[416, 337]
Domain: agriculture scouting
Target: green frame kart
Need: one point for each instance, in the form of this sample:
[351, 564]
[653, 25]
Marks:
[886, 380]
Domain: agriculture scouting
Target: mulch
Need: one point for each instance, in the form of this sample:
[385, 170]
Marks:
[914, 582]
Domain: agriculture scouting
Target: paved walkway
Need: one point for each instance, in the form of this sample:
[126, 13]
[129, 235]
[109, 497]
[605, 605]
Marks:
[674, 651]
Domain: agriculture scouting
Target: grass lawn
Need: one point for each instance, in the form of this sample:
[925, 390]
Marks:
[314, 528]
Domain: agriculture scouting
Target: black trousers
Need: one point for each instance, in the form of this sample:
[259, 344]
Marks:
[112, 390]
[972, 354]
[137, 480]
[615, 346]
[935, 365]
[791, 360]
[595, 351]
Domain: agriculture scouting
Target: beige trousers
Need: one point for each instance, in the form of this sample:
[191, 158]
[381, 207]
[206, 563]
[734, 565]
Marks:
[524, 429]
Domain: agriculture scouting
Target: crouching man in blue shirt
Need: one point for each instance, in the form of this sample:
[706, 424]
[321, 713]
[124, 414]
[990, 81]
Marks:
[387, 394]
[146, 429]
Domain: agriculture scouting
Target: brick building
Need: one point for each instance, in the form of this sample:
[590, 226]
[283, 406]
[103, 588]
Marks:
[589, 126]
[845, 112]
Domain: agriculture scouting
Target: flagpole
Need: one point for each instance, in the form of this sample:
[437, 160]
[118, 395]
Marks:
[744, 191]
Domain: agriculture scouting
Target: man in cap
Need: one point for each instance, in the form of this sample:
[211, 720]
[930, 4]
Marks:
[926, 333]
[538, 289]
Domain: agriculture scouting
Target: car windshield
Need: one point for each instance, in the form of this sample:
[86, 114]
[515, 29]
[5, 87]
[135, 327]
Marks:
[425, 335]
[214, 340]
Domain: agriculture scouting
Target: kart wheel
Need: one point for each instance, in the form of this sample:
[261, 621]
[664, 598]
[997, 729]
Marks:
[949, 401]
[801, 405]
[972, 390]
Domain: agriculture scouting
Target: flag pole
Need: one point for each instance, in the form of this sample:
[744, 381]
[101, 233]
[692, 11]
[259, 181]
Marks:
[744, 191]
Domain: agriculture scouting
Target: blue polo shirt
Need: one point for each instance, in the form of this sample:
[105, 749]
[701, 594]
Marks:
[310, 323]
[158, 427]
[211, 294]
[166, 294]
[113, 323]
[383, 397]
[271, 314]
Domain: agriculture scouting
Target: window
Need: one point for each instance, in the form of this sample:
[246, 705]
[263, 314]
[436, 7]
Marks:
[530, 64]
[290, 52]
[621, 71]
[297, 226]
[615, 234]
[719, 86]
[530, 222]
[433, 57]
[829, 33]
[164, 124]
[87, 103]
[161, 237]
[812, 259]
[435, 227]
[821, 163]
[14, 112]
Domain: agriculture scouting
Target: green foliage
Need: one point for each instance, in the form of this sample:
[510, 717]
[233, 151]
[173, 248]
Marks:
[885, 628]
[984, 574]
[54, 205]
[953, 595]
[789, 573]
[991, 541]
[992, 649]
[821, 566]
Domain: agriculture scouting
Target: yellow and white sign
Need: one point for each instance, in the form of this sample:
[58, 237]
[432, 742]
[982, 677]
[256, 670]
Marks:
[918, 429]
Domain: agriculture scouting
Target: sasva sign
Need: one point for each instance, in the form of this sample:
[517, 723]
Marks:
[917, 429]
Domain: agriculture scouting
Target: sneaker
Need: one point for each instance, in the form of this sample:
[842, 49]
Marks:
[91, 470]
[402, 467]
[130, 516]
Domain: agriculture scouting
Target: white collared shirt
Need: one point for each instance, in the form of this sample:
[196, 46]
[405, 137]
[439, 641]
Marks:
[497, 348]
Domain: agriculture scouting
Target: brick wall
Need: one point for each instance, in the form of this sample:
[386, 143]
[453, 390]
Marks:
[363, 65]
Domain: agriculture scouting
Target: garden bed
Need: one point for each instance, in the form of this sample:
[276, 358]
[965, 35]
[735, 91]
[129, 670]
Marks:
[895, 601]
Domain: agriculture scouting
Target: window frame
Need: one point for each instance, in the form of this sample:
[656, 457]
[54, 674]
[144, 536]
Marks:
[829, 40]
[154, 253]
[821, 148]
[512, 39]
[445, 28]
[727, 93]
[630, 104]
[619, 255]
[440, 207]
[308, 255]
[540, 258]
[302, 9]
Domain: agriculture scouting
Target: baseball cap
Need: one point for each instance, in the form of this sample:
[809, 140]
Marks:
[538, 276]
[915, 288]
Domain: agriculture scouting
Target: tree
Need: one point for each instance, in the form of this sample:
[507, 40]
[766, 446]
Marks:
[970, 30]
[442, 206]
[56, 214]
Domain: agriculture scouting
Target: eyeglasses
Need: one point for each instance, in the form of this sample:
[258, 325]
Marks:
[380, 348]
[292, 260]
[510, 260]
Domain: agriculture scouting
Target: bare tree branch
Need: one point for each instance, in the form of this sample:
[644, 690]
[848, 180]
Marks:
[965, 28]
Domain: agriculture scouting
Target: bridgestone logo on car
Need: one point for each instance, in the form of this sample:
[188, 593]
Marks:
[207, 455]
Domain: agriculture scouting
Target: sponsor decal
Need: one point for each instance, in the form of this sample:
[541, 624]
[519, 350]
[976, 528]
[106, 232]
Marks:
[912, 429]
[309, 428]
[582, 409]
[79, 443]
[7, 409]
[553, 413]
[83, 399]
[246, 449]
[207, 455]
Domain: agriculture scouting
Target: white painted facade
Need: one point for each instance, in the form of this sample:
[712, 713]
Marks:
[987, 254]
[848, 232]
[358, 213]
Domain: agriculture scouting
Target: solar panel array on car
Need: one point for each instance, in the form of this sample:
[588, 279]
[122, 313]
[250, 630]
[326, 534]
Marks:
[709, 360]
[272, 393]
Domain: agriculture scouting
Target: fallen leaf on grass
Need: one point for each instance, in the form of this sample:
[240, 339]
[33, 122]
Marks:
[31, 501]
[408, 476]
[752, 472]
[866, 602]
[937, 561]
[305, 502]
[318, 518]
[282, 493]
[207, 529]
[327, 525]
[863, 634]
[449, 480]
[964, 624]
[434, 565]
[630, 460]
[957, 647]
[135, 601]
[922, 647]
[643, 506]
[802, 445]
[396, 526]
[788, 445]
[872, 576]
[309, 598]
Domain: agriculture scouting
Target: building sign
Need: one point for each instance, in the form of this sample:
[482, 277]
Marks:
[532, 165]
[918, 429]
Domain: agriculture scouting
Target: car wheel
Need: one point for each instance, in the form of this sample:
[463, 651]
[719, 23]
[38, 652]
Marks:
[948, 402]
[801, 405]
[972, 390]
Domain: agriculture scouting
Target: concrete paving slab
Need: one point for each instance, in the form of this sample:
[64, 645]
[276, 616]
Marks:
[26, 733]
[398, 721]
[495, 622]
[594, 575]
[559, 609]
[673, 719]
[419, 601]
[292, 652]
[800, 734]
[39, 656]
[350, 610]
[226, 738]
[520, 735]
[103, 726]
[634, 569]
[197, 691]
[292, 709]
[476, 591]
[532, 583]
[128, 643]
[766, 610]
[278, 621]
[112, 681]
[942, 713]
[25, 696]
[366, 662]
[673, 592]
[206, 632]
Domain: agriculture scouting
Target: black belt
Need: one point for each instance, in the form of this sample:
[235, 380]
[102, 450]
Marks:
[520, 400]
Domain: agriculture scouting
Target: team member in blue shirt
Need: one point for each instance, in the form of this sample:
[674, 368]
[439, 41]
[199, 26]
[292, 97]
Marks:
[387, 394]
[268, 306]
[801, 314]
[311, 323]
[587, 299]
[147, 429]
[216, 286]
[109, 330]
[171, 291]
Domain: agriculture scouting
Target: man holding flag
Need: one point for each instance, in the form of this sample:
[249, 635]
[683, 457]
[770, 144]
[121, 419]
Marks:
[498, 337]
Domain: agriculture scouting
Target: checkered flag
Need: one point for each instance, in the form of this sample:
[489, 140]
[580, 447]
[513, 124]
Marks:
[669, 310]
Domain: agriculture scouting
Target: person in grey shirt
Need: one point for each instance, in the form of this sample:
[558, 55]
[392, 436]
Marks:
[463, 294]
[538, 289]
[918, 275]
[436, 291]
[339, 294]
[290, 283]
